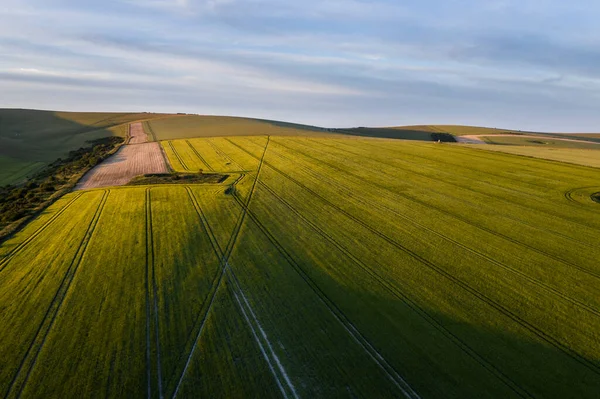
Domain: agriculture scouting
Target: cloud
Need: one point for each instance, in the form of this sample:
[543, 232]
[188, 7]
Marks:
[334, 62]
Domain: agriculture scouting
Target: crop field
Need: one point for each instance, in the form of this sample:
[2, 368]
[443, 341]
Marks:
[323, 267]
[577, 156]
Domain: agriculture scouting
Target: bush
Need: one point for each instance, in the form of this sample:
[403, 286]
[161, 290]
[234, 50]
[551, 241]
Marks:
[47, 187]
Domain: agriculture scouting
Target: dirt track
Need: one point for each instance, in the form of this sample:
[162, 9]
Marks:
[131, 160]
[137, 134]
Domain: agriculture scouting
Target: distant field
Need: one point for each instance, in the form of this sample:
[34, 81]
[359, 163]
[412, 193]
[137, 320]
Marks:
[358, 267]
[190, 126]
[586, 157]
[458, 130]
[547, 142]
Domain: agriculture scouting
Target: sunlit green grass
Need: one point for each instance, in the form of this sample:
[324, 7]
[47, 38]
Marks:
[359, 267]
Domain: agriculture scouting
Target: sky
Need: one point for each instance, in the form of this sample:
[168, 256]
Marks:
[519, 64]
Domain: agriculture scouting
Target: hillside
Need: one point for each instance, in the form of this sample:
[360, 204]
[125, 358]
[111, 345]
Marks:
[321, 267]
[189, 126]
[30, 139]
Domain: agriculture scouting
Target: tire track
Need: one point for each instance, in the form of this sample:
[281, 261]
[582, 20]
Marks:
[153, 297]
[223, 267]
[547, 288]
[402, 297]
[220, 255]
[505, 216]
[389, 370]
[223, 154]
[445, 212]
[371, 204]
[177, 155]
[4, 261]
[481, 296]
[200, 157]
[29, 360]
[463, 187]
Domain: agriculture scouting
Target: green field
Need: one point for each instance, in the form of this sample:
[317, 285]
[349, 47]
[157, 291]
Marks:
[323, 267]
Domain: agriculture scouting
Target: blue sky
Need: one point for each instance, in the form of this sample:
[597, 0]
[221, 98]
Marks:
[526, 64]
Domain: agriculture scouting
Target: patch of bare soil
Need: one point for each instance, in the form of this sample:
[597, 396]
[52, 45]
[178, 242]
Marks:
[130, 161]
[137, 134]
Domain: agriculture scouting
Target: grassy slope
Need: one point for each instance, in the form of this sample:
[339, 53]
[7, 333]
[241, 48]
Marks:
[471, 273]
[29, 139]
[189, 126]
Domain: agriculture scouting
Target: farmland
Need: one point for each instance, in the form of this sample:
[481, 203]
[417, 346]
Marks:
[136, 158]
[321, 267]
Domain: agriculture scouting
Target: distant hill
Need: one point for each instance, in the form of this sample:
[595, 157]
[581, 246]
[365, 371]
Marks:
[30, 139]
[190, 126]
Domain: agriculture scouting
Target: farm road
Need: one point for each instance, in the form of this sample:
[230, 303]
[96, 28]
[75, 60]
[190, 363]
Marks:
[136, 158]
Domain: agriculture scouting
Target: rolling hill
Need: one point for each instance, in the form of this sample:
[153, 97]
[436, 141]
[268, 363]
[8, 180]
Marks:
[323, 265]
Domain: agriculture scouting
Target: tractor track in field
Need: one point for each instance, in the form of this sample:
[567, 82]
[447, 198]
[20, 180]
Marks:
[223, 268]
[337, 313]
[177, 155]
[445, 212]
[481, 296]
[390, 288]
[11, 254]
[200, 157]
[370, 204]
[519, 221]
[512, 156]
[256, 335]
[152, 296]
[220, 255]
[525, 168]
[402, 297]
[468, 188]
[28, 363]
[549, 289]
[463, 187]
[534, 197]
[223, 154]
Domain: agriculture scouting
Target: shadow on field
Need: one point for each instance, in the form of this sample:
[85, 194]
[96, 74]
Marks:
[44, 136]
[389, 133]
[442, 355]
[440, 345]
